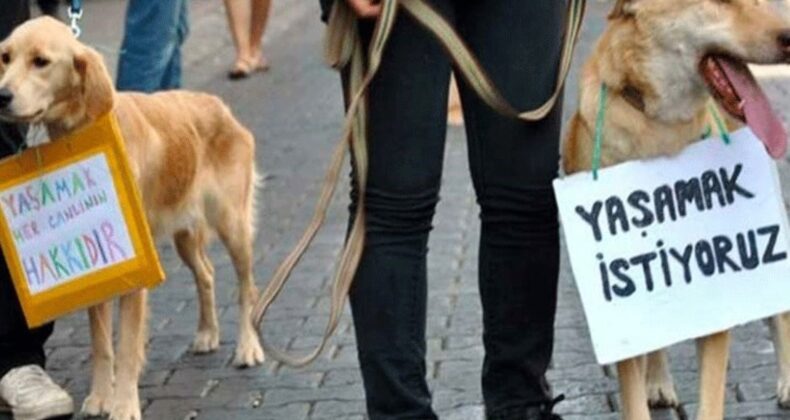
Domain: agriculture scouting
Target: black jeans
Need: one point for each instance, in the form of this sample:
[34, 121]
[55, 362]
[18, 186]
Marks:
[19, 345]
[512, 165]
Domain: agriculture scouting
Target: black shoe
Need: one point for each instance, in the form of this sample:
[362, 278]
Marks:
[545, 411]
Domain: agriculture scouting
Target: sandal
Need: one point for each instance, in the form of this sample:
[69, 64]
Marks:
[259, 64]
[241, 70]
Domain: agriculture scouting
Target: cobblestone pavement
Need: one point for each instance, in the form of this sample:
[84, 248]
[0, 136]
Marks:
[294, 110]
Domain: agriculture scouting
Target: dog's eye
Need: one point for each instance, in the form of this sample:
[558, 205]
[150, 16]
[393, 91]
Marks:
[6, 57]
[40, 62]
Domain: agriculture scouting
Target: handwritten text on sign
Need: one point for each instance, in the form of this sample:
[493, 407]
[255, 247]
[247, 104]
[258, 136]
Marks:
[677, 248]
[67, 223]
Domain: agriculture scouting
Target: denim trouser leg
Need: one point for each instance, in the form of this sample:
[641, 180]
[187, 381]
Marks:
[172, 74]
[150, 58]
[408, 104]
[512, 165]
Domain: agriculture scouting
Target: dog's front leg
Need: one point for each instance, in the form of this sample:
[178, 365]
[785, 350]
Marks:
[131, 356]
[780, 329]
[97, 402]
[713, 352]
[660, 387]
[631, 374]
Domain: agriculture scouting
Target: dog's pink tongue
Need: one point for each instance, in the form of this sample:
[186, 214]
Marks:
[756, 109]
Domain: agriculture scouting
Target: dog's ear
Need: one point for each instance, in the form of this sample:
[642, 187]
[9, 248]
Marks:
[96, 86]
[622, 8]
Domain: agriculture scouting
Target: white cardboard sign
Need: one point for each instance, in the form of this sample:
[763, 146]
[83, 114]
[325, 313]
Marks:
[677, 248]
[67, 223]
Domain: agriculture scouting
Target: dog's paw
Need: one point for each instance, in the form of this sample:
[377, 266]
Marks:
[125, 409]
[206, 341]
[95, 405]
[248, 353]
[783, 392]
[662, 395]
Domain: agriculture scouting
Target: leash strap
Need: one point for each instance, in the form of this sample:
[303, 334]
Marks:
[599, 120]
[344, 48]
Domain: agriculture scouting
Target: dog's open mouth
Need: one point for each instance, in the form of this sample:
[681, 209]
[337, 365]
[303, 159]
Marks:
[736, 90]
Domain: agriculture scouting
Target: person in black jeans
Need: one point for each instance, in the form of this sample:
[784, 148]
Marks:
[24, 386]
[512, 164]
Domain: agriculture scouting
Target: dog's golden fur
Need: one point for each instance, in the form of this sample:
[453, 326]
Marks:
[194, 163]
[654, 47]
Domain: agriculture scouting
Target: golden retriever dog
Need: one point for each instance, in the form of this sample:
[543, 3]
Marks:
[662, 61]
[194, 164]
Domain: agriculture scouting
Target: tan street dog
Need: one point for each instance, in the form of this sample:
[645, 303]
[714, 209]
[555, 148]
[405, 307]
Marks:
[194, 164]
[661, 61]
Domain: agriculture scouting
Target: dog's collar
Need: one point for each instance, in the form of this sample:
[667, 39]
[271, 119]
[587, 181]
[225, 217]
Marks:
[634, 97]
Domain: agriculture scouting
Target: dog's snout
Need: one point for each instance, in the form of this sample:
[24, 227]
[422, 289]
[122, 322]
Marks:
[5, 97]
[784, 39]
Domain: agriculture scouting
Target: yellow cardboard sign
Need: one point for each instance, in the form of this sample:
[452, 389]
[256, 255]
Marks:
[72, 226]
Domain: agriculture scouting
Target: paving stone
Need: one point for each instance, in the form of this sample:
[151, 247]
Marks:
[337, 409]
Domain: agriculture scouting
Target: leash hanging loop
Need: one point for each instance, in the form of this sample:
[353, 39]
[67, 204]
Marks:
[75, 14]
[343, 49]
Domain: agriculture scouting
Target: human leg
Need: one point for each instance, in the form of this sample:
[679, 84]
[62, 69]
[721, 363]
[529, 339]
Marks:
[407, 125]
[153, 33]
[513, 164]
[260, 17]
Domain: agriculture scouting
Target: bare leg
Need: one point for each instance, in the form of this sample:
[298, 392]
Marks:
[631, 375]
[780, 327]
[713, 353]
[191, 249]
[260, 17]
[131, 356]
[97, 402]
[660, 387]
[239, 15]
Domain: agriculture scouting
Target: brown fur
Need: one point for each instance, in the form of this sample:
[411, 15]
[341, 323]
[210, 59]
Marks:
[655, 46]
[194, 163]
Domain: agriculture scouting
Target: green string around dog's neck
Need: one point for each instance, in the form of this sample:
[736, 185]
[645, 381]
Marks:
[599, 120]
[723, 131]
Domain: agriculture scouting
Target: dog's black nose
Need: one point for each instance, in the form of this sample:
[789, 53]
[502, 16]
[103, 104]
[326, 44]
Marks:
[784, 39]
[5, 97]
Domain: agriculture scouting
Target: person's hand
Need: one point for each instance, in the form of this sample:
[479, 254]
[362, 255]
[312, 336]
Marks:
[365, 9]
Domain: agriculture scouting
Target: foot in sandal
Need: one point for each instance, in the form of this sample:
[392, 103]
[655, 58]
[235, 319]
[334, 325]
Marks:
[243, 68]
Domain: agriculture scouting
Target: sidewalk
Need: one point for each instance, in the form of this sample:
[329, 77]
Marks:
[295, 112]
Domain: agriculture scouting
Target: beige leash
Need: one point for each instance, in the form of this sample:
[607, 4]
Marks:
[343, 47]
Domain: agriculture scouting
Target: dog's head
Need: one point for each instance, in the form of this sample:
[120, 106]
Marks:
[712, 41]
[47, 76]
[753, 31]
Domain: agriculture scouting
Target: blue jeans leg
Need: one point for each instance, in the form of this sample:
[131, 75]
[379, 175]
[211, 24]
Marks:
[172, 75]
[151, 49]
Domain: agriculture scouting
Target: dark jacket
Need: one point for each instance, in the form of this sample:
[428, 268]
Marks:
[13, 13]
[326, 6]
